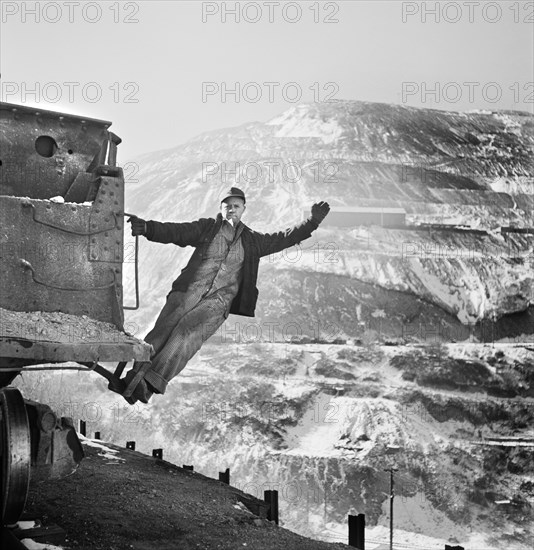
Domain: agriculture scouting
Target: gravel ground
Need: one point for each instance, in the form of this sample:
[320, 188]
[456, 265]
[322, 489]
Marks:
[120, 499]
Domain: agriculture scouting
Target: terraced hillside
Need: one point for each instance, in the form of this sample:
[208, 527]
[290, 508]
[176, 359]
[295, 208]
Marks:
[320, 423]
[453, 270]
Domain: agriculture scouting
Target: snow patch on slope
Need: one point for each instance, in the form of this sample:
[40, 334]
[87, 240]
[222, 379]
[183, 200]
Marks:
[297, 123]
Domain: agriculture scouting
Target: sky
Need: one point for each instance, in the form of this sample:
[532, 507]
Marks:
[166, 71]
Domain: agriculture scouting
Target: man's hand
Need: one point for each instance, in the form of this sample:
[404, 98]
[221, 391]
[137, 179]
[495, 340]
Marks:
[138, 226]
[319, 211]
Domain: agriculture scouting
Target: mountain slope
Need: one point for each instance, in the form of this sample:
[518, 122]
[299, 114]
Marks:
[460, 177]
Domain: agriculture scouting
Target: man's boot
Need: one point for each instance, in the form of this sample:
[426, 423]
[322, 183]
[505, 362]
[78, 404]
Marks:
[142, 391]
[133, 387]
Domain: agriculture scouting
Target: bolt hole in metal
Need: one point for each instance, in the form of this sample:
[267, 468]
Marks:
[46, 146]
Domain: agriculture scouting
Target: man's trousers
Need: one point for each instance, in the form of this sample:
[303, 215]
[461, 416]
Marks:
[180, 330]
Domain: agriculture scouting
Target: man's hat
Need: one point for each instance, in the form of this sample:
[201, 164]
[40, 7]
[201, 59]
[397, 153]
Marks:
[233, 192]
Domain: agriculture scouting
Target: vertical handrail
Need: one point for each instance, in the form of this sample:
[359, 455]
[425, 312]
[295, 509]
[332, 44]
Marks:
[136, 271]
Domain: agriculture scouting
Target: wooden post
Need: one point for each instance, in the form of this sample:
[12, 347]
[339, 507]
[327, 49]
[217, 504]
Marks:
[130, 445]
[190, 468]
[271, 498]
[83, 428]
[225, 476]
[391, 497]
[157, 453]
[357, 531]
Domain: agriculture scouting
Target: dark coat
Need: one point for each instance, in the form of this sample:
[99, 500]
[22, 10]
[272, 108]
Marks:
[200, 233]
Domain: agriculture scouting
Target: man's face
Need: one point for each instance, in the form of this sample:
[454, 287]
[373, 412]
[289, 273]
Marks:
[232, 209]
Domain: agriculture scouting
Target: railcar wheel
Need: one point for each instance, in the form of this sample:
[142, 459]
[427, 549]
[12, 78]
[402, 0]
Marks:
[14, 455]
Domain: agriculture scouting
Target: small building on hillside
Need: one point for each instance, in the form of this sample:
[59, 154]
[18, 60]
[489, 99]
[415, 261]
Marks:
[349, 216]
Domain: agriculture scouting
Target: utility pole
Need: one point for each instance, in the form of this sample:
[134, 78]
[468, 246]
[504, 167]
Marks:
[391, 496]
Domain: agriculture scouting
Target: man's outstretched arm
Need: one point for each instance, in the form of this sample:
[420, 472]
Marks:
[270, 243]
[181, 234]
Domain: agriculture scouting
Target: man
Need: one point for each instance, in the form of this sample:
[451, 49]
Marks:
[219, 279]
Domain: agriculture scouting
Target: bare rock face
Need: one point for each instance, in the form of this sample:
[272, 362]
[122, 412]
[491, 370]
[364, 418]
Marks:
[464, 256]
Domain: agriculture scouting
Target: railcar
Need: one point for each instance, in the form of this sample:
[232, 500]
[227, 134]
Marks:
[61, 271]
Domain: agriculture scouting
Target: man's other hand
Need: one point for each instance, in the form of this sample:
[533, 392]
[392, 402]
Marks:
[138, 226]
[319, 211]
